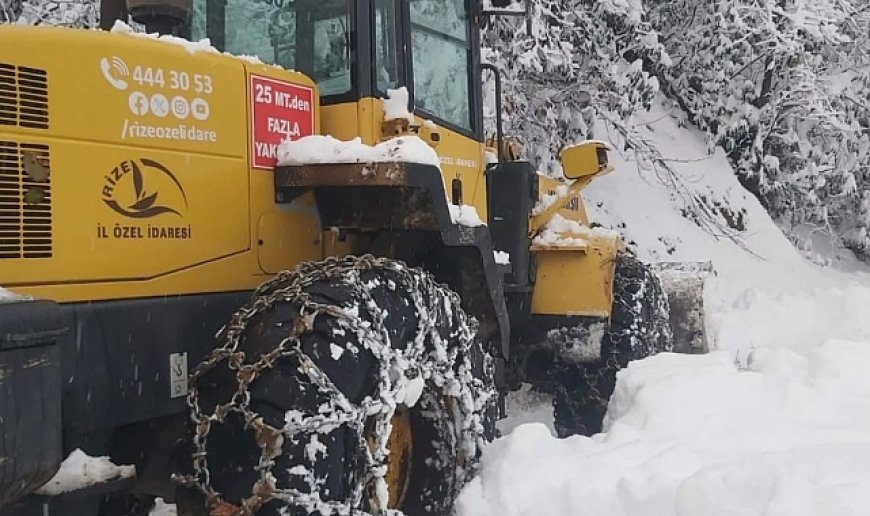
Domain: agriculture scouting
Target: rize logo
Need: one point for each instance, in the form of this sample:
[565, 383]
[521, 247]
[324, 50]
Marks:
[143, 188]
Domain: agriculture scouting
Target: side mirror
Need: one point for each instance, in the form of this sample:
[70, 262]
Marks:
[494, 8]
[503, 7]
[585, 159]
[163, 16]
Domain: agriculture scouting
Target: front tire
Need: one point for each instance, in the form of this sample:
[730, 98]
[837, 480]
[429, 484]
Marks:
[293, 412]
[638, 329]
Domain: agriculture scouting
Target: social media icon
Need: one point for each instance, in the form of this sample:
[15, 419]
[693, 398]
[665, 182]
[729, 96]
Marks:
[200, 109]
[159, 105]
[138, 103]
[180, 107]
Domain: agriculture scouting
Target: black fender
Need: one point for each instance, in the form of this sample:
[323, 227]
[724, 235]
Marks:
[404, 207]
[30, 395]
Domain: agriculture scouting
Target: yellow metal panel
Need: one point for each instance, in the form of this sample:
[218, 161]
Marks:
[353, 120]
[122, 213]
[462, 157]
[225, 275]
[573, 248]
[575, 282]
[288, 236]
[111, 88]
[285, 235]
[340, 120]
[371, 113]
[147, 197]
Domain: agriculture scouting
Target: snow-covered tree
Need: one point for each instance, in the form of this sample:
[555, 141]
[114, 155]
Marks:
[576, 63]
[10, 10]
[64, 13]
[770, 82]
[570, 58]
[852, 67]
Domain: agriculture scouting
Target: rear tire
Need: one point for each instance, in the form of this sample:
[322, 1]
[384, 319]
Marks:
[292, 412]
[639, 328]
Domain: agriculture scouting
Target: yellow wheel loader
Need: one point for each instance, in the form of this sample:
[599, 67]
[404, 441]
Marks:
[258, 332]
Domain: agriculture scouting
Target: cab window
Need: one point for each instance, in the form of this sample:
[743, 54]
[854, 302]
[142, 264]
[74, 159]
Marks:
[305, 35]
[441, 59]
[387, 47]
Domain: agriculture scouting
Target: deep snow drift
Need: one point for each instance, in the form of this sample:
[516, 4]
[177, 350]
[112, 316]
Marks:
[774, 421]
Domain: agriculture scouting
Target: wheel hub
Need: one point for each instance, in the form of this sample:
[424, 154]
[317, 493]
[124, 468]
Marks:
[401, 447]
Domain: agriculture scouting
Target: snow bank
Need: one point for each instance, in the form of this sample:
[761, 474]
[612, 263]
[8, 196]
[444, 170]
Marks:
[79, 470]
[694, 435]
[775, 421]
[326, 149]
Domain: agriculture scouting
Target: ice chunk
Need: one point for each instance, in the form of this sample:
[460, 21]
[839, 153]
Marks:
[79, 470]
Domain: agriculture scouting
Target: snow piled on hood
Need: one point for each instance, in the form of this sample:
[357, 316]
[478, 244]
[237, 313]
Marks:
[327, 149]
[774, 421]
[192, 47]
[203, 45]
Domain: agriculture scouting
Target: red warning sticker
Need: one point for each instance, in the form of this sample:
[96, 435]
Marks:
[280, 110]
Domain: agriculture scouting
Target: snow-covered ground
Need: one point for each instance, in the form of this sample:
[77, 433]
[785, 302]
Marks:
[774, 421]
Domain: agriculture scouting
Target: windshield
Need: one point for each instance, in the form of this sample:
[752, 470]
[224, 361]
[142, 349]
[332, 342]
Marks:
[305, 35]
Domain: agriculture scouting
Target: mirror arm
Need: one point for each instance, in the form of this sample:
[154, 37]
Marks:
[537, 222]
[498, 128]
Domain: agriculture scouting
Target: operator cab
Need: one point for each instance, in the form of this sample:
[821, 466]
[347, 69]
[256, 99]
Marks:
[359, 49]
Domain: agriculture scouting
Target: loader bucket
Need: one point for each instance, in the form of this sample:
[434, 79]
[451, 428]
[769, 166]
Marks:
[684, 284]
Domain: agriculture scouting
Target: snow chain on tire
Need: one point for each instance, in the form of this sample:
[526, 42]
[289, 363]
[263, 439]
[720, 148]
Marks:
[444, 363]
